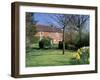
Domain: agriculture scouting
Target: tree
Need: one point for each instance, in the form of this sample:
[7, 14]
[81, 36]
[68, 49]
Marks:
[70, 23]
[79, 23]
[62, 20]
[30, 27]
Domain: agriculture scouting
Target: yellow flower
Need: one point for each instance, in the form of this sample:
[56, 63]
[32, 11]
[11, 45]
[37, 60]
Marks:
[79, 50]
[77, 56]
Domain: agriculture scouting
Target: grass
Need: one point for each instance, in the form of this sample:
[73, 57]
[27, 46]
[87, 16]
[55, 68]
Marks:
[48, 57]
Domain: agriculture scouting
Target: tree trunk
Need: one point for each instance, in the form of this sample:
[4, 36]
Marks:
[63, 40]
[80, 37]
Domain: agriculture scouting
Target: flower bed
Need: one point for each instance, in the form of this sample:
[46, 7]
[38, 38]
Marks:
[81, 57]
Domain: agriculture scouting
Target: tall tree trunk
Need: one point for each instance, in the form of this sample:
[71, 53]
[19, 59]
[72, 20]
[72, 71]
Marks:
[80, 37]
[64, 40]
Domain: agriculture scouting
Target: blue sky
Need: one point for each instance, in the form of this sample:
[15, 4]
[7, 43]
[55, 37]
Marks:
[45, 19]
[41, 18]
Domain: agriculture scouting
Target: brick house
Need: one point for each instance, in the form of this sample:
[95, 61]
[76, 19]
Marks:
[52, 32]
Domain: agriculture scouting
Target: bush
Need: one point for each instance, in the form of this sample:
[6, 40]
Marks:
[84, 41]
[41, 44]
[67, 46]
[71, 47]
[60, 45]
[35, 39]
[81, 57]
[45, 43]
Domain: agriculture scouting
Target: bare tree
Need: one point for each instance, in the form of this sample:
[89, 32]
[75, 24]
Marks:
[79, 21]
[62, 20]
[70, 22]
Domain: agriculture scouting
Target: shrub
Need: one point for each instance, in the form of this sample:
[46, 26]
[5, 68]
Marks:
[81, 57]
[84, 41]
[71, 47]
[35, 39]
[41, 44]
[67, 46]
[45, 43]
[60, 45]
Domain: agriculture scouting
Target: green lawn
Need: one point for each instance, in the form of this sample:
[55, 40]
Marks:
[48, 57]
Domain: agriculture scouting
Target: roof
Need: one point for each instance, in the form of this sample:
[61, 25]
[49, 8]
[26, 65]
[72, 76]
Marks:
[45, 28]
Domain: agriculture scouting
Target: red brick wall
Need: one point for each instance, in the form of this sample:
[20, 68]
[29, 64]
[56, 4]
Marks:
[56, 37]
